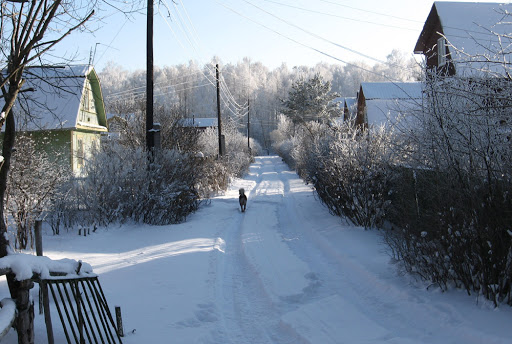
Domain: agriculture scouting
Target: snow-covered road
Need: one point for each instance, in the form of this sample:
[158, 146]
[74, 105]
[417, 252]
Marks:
[285, 271]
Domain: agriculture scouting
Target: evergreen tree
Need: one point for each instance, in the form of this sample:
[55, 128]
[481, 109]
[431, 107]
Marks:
[311, 100]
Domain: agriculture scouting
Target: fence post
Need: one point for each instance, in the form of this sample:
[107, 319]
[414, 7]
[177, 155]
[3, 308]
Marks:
[39, 237]
[120, 331]
[25, 307]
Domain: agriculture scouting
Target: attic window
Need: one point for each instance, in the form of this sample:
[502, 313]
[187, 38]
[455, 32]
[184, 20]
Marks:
[441, 52]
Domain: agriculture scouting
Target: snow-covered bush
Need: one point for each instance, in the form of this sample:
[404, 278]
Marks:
[284, 140]
[122, 185]
[350, 171]
[452, 204]
[237, 157]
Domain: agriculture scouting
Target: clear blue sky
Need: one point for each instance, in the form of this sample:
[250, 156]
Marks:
[297, 32]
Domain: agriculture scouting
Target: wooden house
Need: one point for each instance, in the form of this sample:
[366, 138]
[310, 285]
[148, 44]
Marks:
[386, 103]
[65, 113]
[198, 123]
[463, 38]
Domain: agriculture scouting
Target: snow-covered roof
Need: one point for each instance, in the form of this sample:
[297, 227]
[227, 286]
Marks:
[392, 112]
[350, 102]
[199, 122]
[472, 30]
[55, 101]
[391, 90]
[338, 100]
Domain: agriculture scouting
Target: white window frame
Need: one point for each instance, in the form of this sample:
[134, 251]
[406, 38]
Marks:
[441, 52]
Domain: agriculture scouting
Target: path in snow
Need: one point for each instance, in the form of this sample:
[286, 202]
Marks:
[292, 273]
[285, 271]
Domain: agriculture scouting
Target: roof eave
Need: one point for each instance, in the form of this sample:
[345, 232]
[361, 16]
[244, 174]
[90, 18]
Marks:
[421, 43]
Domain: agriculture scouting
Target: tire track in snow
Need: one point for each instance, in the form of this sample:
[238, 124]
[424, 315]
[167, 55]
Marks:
[336, 295]
[248, 313]
[389, 311]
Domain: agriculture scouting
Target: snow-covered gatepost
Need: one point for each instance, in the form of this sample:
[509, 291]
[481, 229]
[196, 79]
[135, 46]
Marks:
[78, 298]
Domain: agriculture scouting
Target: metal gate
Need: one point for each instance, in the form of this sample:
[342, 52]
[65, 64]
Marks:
[82, 309]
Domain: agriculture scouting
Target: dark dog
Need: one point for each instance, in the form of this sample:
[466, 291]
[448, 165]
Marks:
[242, 199]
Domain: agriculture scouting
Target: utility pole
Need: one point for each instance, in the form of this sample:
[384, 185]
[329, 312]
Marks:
[150, 142]
[219, 124]
[248, 124]
[249, 111]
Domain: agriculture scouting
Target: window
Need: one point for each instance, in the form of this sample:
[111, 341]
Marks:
[88, 99]
[441, 52]
[80, 153]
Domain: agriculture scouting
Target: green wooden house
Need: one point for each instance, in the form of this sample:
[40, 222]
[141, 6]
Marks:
[65, 113]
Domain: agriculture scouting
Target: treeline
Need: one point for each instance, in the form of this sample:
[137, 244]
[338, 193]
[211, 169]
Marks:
[191, 87]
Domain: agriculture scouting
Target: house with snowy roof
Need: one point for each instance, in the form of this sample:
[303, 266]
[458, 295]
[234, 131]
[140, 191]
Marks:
[64, 114]
[349, 108]
[199, 123]
[387, 103]
[466, 38]
[347, 105]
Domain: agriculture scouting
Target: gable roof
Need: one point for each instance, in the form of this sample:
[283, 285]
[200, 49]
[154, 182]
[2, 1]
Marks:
[350, 102]
[472, 31]
[391, 90]
[390, 103]
[55, 101]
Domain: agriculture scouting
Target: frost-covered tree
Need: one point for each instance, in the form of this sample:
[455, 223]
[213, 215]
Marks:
[311, 100]
[35, 181]
[29, 30]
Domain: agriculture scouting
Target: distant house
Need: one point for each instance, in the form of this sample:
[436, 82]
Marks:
[462, 38]
[386, 103]
[347, 105]
[199, 123]
[65, 111]
[349, 108]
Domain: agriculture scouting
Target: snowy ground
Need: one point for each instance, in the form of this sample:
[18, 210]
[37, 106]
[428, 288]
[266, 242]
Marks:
[283, 272]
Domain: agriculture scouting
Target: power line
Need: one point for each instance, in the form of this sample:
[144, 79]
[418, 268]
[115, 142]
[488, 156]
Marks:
[369, 11]
[193, 33]
[338, 16]
[156, 84]
[302, 44]
[315, 35]
[392, 16]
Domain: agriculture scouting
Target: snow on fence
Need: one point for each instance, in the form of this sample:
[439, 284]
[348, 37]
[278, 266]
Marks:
[77, 294]
[7, 316]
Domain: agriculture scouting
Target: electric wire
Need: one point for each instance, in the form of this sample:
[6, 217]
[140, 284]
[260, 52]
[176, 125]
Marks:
[191, 28]
[315, 35]
[369, 11]
[156, 84]
[341, 17]
[303, 44]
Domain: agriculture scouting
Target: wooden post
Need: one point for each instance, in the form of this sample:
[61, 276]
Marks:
[39, 237]
[25, 308]
[47, 318]
[219, 124]
[119, 320]
[149, 78]
[39, 252]
[248, 125]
